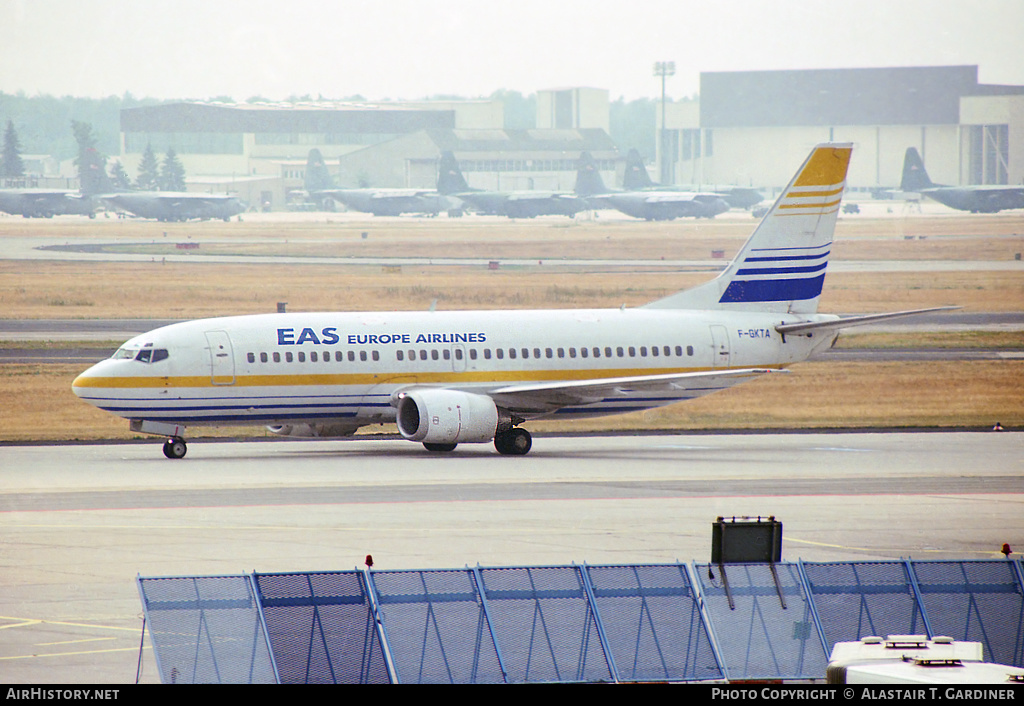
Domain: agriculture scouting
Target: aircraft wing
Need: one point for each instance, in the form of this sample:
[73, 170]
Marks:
[548, 397]
[671, 197]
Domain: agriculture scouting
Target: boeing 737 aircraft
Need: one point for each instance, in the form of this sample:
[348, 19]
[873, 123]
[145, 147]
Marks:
[976, 199]
[475, 376]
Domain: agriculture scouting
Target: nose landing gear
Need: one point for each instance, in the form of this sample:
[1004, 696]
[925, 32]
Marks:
[175, 447]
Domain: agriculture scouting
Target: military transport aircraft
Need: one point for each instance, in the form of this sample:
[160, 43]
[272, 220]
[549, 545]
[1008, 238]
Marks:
[457, 377]
[514, 204]
[636, 178]
[175, 205]
[658, 205]
[976, 199]
[380, 202]
[46, 203]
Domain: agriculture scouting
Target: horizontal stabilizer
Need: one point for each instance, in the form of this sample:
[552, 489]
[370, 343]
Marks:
[855, 320]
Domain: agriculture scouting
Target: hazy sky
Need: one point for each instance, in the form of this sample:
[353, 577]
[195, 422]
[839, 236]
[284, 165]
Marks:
[416, 48]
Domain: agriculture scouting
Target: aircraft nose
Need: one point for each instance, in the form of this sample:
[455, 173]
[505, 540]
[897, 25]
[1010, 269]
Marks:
[82, 384]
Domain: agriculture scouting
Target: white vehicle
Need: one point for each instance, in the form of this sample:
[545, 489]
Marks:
[475, 376]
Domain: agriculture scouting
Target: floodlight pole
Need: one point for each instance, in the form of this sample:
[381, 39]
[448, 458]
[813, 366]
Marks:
[664, 69]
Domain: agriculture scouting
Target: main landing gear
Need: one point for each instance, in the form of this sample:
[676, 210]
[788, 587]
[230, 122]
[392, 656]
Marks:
[514, 442]
[175, 447]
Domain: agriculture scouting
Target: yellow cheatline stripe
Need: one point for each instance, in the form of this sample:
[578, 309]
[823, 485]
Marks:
[394, 377]
[809, 194]
[826, 166]
[830, 204]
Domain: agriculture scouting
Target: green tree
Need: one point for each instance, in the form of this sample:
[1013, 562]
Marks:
[172, 172]
[92, 175]
[11, 166]
[520, 111]
[118, 175]
[149, 171]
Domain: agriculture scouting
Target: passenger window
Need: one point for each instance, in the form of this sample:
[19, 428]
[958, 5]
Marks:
[362, 355]
[583, 352]
[643, 351]
[400, 355]
[654, 351]
[312, 357]
[472, 353]
[351, 356]
[487, 353]
[561, 352]
[446, 354]
[689, 350]
[632, 352]
[549, 353]
[679, 351]
[376, 355]
[500, 352]
[433, 354]
[423, 355]
[288, 357]
[512, 353]
[302, 356]
[620, 352]
[608, 352]
[337, 356]
[572, 352]
[277, 357]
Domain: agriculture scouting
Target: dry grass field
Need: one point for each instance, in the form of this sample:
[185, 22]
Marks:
[37, 403]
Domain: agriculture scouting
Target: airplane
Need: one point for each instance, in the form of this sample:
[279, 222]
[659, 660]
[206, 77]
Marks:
[46, 203]
[661, 205]
[636, 178]
[175, 205]
[380, 202]
[514, 204]
[448, 378]
[976, 199]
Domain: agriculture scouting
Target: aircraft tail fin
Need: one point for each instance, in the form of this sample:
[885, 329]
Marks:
[588, 177]
[317, 176]
[781, 267]
[636, 177]
[449, 175]
[915, 177]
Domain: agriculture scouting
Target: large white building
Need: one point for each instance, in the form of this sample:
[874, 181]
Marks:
[749, 128]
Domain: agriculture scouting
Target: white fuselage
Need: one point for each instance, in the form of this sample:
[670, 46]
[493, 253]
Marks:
[344, 369]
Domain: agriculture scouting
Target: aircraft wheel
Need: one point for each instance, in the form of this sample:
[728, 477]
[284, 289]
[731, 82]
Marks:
[175, 448]
[439, 447]
[515, 442]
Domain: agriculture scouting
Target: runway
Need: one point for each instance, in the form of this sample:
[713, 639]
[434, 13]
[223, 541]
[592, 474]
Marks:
[79, 522]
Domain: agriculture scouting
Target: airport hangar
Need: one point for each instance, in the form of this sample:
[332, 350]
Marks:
[259, 150]
[747, 129]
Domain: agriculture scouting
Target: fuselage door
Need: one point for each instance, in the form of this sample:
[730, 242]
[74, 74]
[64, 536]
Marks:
[720, 344]
[222, 358]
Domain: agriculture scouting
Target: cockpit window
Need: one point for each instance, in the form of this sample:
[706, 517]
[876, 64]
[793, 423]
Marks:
[151, 355]
[125, 353]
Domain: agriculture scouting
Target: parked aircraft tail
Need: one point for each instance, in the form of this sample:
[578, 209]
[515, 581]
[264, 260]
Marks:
[915, 178]
[317, 176]
[781, 268]
[636, 177]
[449, 175]
[588, 177]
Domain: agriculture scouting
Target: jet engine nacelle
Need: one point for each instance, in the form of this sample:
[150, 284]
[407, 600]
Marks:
[312, 430]
[446, 416]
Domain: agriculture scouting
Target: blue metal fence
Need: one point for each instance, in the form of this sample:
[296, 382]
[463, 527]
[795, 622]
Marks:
[659, 622]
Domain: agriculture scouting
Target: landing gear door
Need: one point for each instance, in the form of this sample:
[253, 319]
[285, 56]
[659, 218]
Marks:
[720, 343]
[222, 358]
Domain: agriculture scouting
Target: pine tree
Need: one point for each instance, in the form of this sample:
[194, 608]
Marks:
[172, 172]
[11, 166]
[119, 176]
[91, 164]
[149, 171]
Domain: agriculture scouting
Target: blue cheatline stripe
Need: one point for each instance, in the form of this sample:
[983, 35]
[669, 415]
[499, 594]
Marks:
[773, 290]
[782, 270]
[788, 258]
